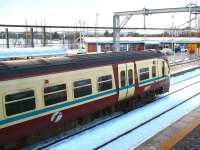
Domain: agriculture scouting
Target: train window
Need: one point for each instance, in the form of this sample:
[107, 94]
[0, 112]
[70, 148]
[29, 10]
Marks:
[123, 78]
[19, 102]
[144, 73]
[163, 68]
[104, 83]
[55, 94]
[153, 71]
[82, 88]
[130, 76]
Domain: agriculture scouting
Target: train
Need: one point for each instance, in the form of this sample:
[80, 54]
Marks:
[37, 95]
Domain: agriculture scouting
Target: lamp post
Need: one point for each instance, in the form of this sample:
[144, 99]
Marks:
[144, 25]
[80, 35]
[96, 32]
[173, 49]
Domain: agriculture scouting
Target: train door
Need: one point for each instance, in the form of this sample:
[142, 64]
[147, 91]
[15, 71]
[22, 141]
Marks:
[130, 80]
[126, 80]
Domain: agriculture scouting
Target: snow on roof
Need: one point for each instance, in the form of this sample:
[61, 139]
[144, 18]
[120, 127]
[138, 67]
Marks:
[146, 40]
[110, 40]
[6, 53]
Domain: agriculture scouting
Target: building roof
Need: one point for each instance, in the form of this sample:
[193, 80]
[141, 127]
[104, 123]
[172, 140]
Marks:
[33, 67]
[146, 40]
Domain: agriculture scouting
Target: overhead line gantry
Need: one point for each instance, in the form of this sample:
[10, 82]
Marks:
[117, 25]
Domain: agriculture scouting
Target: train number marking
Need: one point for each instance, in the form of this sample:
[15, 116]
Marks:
[56, 117]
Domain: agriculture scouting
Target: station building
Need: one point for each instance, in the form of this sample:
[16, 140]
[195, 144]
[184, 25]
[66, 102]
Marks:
[104, 44]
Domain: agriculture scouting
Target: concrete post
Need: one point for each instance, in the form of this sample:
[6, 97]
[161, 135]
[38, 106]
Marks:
[44, 37]
[7, 38]
[32, 38]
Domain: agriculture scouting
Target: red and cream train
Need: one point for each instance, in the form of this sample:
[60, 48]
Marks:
[39, 94]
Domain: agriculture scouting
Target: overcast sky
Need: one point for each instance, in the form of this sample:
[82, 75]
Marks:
[69, 12]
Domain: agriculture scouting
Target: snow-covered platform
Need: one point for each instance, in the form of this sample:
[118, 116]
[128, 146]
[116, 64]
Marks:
[182, 135]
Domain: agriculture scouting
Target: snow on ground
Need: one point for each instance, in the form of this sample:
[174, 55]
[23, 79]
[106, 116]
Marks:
[142, 134]
[93, 138]
[187, 75]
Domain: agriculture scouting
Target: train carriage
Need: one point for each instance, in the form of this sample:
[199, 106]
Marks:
[42, 93]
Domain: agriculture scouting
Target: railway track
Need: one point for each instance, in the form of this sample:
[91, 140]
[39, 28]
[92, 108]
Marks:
[188, 65]
[48, 144]
[185, 62]
[133, 122]
[148, 121]
[194, 76]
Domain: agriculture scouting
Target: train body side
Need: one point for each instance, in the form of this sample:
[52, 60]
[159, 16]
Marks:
[109, 85]
[39, 118]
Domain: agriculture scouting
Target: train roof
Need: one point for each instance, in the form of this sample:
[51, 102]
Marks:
[32, 67]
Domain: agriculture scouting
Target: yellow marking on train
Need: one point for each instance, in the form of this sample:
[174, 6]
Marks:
[170, 143]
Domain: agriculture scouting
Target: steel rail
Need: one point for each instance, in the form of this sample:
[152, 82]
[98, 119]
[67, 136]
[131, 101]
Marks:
[153, 118]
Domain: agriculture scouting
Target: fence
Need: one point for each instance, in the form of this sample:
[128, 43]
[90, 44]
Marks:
[99, 38]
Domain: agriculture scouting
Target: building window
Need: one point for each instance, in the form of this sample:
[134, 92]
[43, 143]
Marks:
[55, 94]
[82, 88]
[144, 73]
[123, 78]
[107, 47]
[104, 83]
[153, 71]
[132, 45]
[130, 76]
[123, 47]
[19, 102]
